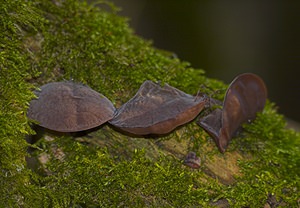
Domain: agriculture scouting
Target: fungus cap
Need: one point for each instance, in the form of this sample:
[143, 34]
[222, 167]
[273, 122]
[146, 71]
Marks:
[192, 160]
[157, 110]
[245, 96]
[69, 107]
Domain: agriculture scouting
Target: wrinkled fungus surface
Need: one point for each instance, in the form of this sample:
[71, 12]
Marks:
[70, 107]
[157, 110]
[245, 97]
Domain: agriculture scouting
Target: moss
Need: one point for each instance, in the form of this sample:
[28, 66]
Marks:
[96, 178]
[17, 20]
[43, 41]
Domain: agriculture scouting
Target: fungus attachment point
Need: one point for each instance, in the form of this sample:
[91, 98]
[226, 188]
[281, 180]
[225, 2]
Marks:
[157, 110]
[245, 97]
[70, 107]
[192, 160]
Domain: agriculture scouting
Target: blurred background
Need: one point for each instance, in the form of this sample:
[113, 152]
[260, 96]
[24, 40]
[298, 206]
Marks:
[226, 38]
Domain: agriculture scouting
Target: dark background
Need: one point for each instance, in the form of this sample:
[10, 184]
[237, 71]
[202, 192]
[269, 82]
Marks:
[226, 38]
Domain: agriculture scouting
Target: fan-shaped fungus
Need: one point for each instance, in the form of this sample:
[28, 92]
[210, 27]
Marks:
[245, 97]
[157, 110]
[70, 107]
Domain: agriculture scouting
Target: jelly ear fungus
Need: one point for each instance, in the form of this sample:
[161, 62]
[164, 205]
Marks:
[157, 110]
[192, 160]
[245, 97]
[70, 107]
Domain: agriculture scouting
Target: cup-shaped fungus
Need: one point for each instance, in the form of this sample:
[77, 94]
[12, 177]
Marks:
[157, 110]
[245, 97]
[70, 107]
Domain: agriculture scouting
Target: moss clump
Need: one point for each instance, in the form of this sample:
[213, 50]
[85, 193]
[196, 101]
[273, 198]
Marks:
[108, 182]
[43, 41]
[17, 21]
[274, 165]
[106, 52]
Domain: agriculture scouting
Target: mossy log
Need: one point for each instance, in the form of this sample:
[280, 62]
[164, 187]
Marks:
[44, 41]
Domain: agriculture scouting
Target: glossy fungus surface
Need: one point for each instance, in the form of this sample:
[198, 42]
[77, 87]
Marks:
[157, 110]
[69, 107]
[245, 97]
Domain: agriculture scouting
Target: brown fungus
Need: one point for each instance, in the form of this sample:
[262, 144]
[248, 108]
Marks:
[157, 110]
[191, 160]
[245, 97]
[70, 107]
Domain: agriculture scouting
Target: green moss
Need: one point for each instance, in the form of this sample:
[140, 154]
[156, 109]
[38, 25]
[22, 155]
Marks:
[43, 41]
[17, 20]
[106, 51]
[89, 176]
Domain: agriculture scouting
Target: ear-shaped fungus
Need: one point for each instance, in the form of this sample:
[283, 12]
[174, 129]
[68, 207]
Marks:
[245, 97]
[70, 107]
[157, 110]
